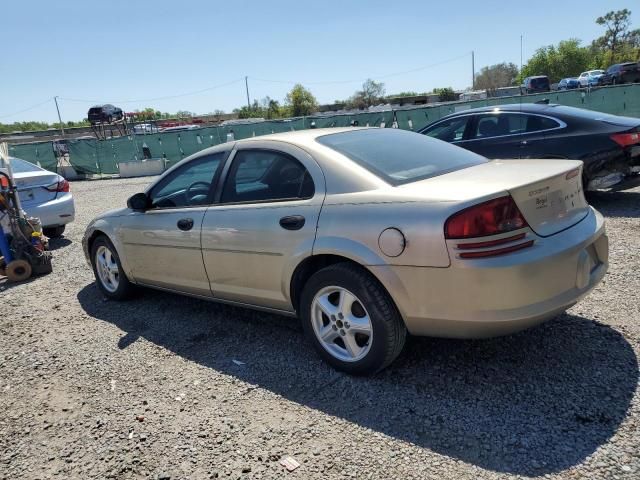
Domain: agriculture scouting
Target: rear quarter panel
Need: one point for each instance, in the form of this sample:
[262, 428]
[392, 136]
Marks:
[352, 230]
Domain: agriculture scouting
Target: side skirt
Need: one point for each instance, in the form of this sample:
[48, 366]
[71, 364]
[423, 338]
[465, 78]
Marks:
[285, 313]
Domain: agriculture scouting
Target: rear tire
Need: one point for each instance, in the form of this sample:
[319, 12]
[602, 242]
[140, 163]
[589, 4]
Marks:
[54, 232]
[110, 277]
[351, 320]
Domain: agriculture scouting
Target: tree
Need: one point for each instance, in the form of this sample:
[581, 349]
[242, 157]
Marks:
[618, 40]
[445, 94]
[372, 92]
[567, 59]
[496, 76]
[300, 101]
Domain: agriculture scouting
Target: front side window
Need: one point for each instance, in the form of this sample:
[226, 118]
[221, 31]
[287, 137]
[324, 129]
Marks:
[451, 130]
[266, 175]
[187, 186]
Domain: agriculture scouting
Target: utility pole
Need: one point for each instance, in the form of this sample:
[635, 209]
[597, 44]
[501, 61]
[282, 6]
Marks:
[521, 54]
[55, 99]
[246, 84]
[473, 70]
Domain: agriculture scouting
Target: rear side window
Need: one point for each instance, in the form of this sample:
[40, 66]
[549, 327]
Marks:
[496, 125]
[451, 130]
[399, 156]
[266, 175]
[535, 123]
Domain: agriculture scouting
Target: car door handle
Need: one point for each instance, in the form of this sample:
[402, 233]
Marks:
[292, 222]
[185, 224]
[524, 143]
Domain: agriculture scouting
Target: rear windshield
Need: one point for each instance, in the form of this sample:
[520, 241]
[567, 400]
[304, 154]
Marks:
[22, 166]
[539, 82]
[399, 156]
[585, 114]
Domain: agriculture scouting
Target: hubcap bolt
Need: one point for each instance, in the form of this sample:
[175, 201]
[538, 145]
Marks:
[341, 332]
[346, 324]
[333, 318]
[334, 327]
[340, 316]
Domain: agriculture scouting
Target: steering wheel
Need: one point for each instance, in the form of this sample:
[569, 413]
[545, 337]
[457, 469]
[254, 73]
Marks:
[187, 193]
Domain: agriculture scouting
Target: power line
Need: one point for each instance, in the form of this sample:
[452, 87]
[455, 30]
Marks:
[27, 109]
[378, 77]
[84, 100]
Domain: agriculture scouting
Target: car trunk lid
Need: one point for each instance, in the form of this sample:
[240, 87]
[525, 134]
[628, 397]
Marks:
[548, 192]
[554, 203]
[32, 187]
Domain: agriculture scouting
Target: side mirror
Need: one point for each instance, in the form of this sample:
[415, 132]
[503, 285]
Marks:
[139, 202]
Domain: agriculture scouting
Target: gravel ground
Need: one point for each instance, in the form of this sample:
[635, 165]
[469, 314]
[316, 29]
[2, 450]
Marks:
[149, 388]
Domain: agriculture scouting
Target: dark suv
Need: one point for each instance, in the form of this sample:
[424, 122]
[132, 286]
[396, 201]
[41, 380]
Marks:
[104, 114]
[535, 84]
[621, 73]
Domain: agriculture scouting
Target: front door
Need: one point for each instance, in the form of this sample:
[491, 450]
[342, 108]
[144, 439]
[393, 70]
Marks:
[162, 244]
[264, 225]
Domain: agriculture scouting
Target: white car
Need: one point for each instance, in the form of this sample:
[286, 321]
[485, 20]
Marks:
[145, 128]
[590, 78]
[43, 194]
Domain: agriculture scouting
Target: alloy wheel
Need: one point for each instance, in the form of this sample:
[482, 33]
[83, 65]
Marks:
[341, 324]
[107, 268]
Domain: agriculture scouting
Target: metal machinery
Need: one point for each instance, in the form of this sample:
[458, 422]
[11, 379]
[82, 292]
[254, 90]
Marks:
[23, 248]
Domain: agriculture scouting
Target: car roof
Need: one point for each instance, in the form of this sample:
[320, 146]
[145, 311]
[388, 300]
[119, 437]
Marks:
[512, 107]
[301, 137]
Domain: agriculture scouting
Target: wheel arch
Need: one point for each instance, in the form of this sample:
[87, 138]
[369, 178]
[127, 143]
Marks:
[314, 263]
[104, 229]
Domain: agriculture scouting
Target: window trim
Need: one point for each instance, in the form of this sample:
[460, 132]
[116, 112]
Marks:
[179, 167]
[224, 176]
[478, 114]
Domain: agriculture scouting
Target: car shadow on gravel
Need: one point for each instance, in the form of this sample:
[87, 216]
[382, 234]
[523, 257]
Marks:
[533, 403]
[616, 204]
[58, 243]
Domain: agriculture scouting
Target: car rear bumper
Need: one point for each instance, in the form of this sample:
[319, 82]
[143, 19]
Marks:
[478, 298]
[55, 212]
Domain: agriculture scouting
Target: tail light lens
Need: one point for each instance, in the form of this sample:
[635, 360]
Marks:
[61, 186]
[494, 217]
[626, 139]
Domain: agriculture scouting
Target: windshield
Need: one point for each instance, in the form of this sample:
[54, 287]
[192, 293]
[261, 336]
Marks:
[399, 156]
[22, 166]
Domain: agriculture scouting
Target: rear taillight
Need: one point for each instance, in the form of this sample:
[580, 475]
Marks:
[494, 217]
[61, 186]
[626, 139]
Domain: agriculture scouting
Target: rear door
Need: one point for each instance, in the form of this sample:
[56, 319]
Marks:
[264, 224]
[496, 135]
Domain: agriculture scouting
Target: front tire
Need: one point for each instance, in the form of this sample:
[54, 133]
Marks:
[351, 319]
[110, 277]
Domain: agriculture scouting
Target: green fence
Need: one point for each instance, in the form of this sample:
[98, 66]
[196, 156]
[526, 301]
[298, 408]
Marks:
[91, 156]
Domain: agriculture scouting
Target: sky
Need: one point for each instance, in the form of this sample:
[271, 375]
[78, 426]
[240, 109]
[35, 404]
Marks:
[194, 55]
